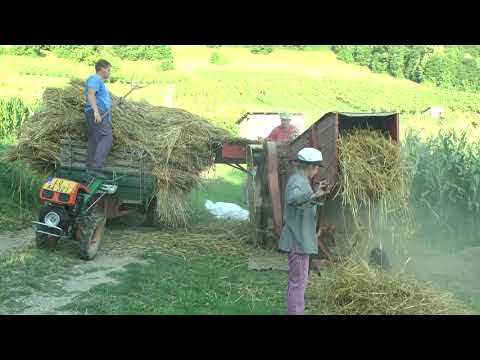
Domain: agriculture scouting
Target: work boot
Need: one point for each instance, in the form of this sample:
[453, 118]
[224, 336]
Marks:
[92, 175]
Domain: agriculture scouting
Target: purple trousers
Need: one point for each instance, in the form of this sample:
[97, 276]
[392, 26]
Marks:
[100, 140]
[297, 282]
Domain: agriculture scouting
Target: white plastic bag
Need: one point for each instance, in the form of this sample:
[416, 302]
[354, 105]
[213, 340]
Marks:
[222, 210]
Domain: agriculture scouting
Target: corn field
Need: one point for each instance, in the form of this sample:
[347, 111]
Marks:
[13, 112]
[445, 191]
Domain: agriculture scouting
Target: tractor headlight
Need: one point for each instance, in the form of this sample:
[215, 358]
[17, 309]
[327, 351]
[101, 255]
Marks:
[52, 219]
[47, 194]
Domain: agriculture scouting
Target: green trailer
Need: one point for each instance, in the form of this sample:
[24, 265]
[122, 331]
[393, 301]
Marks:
[75, 208]
[132, 172]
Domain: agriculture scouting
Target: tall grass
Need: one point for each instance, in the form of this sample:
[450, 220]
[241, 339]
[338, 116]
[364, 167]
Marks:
[13, 113]
[19, 200]
[445, 185]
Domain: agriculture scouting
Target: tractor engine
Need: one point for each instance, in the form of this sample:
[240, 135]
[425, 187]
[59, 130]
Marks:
[59, 198]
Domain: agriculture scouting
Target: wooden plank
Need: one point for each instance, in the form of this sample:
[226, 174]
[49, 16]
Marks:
[132, 202]
[81, 165]
[64, 160]
[82, 147]
[113, 155]
[116, 155]
[83, 159]
[128, 180]
[108, 167]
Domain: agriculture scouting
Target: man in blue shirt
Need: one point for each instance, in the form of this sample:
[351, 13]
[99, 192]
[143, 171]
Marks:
[98, 112]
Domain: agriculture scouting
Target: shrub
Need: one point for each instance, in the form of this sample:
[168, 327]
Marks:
[25, 50]
[379, 59]
[345, 53]
[143, 52]
[295, 47]
[13, 112]
[167, 64]
[217, 59]
[88, 54]
[261, 49]
[362, 54]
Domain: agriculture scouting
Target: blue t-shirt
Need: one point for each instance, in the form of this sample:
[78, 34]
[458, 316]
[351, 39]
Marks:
[104, 101]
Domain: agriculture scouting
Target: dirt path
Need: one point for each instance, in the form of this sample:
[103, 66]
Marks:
[85, 276]
[81, 277]
[457, 272]
[16, 240]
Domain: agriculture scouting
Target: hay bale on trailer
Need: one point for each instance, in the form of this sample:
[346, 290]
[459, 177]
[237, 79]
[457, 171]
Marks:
[178, 144]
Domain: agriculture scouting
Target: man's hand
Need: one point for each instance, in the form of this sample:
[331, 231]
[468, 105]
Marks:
[98, 118]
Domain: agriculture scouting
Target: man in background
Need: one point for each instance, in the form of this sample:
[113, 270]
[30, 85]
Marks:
[284, 132]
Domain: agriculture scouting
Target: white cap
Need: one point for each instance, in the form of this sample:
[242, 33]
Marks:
[310, 156]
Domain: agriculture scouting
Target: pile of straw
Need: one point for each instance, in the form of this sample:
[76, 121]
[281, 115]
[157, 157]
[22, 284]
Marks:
[230, 238]
[179, 143]
[357, 289]
[373, 175]
[372, 169]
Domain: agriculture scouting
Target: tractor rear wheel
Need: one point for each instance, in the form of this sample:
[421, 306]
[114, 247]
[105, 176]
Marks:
[89, 235]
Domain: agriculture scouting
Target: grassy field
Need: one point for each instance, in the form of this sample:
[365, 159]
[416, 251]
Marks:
[312, 82]
[211, 284]
[31, 270]
[19, 188]
[184, 277]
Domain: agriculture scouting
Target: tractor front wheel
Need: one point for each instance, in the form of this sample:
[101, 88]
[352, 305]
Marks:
[44, 241]
[89, 235]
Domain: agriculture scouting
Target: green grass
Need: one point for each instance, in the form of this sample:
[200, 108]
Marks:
[222, 184]
[30, 270]
[19, 197]
[201, 285]
[313, 82]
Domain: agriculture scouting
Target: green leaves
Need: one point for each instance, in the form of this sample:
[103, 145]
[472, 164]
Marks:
[88, 54]
[26, 50]
[143, 52]
[261, 49]
[443, 66]
[13, 112]
[446, 175]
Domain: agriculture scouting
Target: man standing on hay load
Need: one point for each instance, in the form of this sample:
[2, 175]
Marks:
[98, 113]
[284, 132]
[299, 237]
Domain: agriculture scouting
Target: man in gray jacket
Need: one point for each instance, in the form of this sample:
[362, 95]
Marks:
[298, 237]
